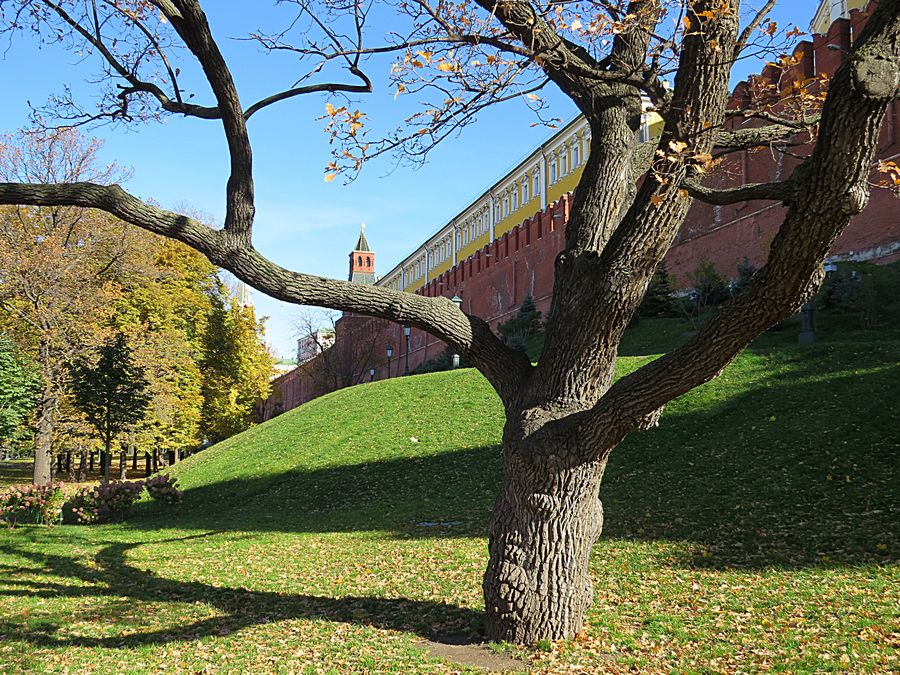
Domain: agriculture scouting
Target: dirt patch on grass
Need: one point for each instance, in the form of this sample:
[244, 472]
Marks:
[475, 654]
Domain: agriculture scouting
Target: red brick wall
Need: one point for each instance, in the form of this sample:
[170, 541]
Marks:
[493, 283]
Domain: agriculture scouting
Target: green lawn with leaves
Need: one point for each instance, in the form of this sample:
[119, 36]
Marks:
[756, 528]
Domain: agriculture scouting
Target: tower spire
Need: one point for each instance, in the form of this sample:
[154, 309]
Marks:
[362, 260]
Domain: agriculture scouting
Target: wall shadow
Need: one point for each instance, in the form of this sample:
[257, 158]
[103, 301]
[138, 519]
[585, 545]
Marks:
[110, 576]
[798, 470]
[806, 475]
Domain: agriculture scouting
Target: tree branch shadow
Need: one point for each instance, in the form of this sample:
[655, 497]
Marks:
[112, 577]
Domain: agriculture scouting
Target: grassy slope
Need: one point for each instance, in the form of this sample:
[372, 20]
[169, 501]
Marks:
[756, 527]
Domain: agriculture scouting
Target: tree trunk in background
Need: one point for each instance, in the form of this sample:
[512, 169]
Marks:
[122, 465]
[147, 470]
[155, 461]
[537, 585]
[106, 456]
[43, 437]
[134, 459]
[82, 467]
[91, 462]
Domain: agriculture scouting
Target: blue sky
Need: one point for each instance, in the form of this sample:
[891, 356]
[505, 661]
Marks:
[303, 222]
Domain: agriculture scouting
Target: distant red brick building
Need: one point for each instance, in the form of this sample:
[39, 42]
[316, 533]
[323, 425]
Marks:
[493, 279]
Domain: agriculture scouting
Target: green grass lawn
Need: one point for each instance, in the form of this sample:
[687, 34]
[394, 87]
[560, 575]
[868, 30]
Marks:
[755, 528]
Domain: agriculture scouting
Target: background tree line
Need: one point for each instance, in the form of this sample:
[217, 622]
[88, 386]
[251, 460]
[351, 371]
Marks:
[72, 279]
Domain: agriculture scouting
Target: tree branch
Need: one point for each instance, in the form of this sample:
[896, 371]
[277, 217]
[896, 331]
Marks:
[504, 368]
[189, 21]
[779, 192]
[754, 137]
[364, 88]
[830, 187]
[747, 33]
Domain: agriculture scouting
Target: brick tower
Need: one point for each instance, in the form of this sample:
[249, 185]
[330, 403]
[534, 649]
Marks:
[362, 261]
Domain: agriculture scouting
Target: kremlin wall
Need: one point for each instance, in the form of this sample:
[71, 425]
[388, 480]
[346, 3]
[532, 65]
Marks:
[503, 245]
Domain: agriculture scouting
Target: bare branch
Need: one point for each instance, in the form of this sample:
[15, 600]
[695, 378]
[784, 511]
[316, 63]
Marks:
[364, 88]
[747, 33]
[779, 192]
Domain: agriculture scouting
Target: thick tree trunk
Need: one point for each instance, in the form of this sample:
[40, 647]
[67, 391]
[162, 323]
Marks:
[122, 465]
[147, 469]
[134, 459]
[543, 526]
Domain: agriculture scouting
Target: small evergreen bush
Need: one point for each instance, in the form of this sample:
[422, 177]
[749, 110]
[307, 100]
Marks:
[37, 504]
[658, 300]
[523, 325]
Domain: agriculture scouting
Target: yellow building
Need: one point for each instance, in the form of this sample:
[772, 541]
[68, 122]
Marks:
[550, 171]
[831, 10]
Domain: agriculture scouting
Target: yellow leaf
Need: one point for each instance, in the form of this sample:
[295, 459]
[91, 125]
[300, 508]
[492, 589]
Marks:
[677, 146]
[656, 200]
[330, 177]
[446, 67]
[329, 109]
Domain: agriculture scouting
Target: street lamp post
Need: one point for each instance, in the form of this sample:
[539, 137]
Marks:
[456, 300]
[390, 353]
[406, 332]
[807, 324]
[371, 374]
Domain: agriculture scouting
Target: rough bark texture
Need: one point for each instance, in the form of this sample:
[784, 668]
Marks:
[543, 526]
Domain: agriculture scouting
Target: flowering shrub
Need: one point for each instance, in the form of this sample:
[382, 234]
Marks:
[40, 504]
[164, 488]
[105, 502]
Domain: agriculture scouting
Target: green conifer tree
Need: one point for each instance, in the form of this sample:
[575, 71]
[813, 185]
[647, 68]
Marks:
[19, 385]
[112, 394]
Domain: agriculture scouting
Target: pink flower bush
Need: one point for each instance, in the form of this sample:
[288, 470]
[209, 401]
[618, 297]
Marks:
[105, 502]
[38, 504]
[163, 488]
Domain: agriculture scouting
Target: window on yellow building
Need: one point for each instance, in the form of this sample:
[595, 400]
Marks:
[537, 181]
[552, 172]
[576, 152]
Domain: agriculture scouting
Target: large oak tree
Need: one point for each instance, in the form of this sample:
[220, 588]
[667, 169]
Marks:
[565, 415]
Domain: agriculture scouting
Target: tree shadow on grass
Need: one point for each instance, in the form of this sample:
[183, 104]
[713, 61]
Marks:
[796, 470]
[112, 577]
[444, 495]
